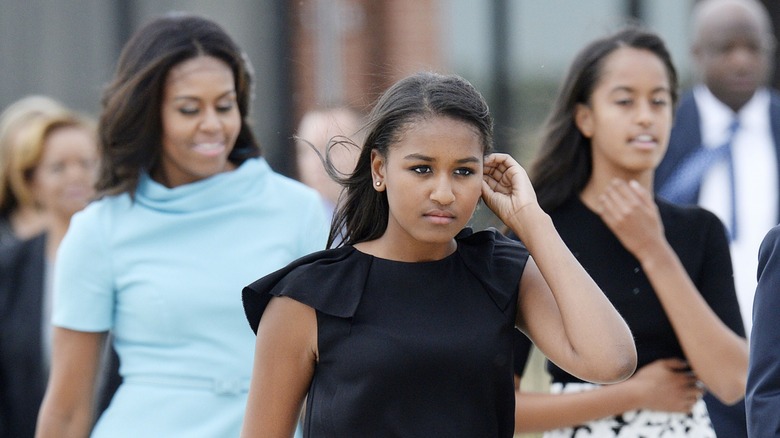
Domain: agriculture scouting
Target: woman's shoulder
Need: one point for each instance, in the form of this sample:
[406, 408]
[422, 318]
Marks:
[495, 259]
[102, 211]
[692, 227]
[330, 281]
[16, 254]
[686, 217]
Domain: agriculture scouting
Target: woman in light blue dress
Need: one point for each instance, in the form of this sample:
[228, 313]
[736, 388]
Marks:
[190, 213]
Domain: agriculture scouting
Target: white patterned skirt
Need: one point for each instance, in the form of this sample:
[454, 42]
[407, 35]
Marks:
[636, 424]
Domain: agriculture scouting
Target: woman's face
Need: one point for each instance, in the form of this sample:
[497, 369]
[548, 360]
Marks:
[200, 121]
[433, 179]
[63, 181]
[629, 116]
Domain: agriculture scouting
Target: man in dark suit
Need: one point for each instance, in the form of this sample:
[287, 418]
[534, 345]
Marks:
[763, 385]
[724, 149]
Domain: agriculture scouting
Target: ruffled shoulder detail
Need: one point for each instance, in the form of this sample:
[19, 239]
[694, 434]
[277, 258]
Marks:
[330, 281]
[496, 260]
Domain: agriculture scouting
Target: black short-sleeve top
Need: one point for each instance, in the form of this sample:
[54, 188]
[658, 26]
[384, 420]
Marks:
[407, 349]
[699, 239]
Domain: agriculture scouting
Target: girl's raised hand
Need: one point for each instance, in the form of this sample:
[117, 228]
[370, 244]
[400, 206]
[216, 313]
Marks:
[506, 188]
[630, 212]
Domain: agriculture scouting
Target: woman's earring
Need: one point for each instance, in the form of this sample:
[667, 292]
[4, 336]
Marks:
[378, 183]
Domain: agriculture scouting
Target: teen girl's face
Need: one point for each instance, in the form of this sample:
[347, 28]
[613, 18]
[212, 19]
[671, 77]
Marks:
[64, 179]
[629, 115]
[200, 121]
[433, 179]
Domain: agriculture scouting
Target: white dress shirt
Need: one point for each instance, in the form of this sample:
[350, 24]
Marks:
[755, 173]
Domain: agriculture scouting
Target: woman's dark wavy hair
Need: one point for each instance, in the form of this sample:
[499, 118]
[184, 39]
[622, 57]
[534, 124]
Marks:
[563, 165]
[130, 126]
[362, 213]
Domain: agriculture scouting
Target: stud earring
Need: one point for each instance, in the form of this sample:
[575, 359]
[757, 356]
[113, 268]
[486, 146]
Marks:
[378, 183]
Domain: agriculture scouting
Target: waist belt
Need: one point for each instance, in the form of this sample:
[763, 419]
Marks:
[218, 386]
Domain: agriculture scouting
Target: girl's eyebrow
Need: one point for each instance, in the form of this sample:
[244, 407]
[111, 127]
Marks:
[229, 93]
[426, 158]
[631, 90]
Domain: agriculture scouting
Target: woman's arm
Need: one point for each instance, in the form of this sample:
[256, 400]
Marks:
[560, 307]
[717, 355]
[67, 407]
[285, 356]
[663, 385]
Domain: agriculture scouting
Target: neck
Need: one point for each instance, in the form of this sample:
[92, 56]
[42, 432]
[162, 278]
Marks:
[599, 181]
[735, 103]
[387, 247]
[27, 222]
[55, 232]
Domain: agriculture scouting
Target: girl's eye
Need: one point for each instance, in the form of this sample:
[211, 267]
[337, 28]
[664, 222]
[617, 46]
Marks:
[624, 102]
[55, 168]
[421, 169]
[188, 111]
[87, 164]
[225, 108]
[464, 171]
[659, 102]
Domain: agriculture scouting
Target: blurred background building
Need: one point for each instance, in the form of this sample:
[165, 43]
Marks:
[309, 53]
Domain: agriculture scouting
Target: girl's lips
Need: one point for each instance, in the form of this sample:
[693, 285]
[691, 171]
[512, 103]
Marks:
[440, 218]
[78, 192]
[644, 141]
[210, 149]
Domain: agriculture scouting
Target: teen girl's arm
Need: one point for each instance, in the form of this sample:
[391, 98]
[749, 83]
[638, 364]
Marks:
[662, 385]
[285, 356]
[560, 307]
[68, 406]
[717, 355]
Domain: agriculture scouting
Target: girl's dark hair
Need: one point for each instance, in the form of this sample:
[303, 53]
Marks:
[362, 212]
[130, 126]
[563, 165]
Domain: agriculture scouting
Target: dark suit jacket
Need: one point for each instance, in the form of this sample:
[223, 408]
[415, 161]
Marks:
[23, 376]
[763, 384]
[729, 421]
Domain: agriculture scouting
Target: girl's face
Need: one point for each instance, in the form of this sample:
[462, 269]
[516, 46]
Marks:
[433, 179]
[200, 121]
[64, 179]
[629, 116]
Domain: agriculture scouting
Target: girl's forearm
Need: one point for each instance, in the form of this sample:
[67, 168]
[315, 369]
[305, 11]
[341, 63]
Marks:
[598, 335]
[716, 354]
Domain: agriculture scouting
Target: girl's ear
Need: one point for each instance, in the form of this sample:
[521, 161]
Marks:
[378, 170]
[583, 118]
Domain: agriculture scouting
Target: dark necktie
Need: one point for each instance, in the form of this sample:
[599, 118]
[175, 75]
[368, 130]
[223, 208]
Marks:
[683, 185]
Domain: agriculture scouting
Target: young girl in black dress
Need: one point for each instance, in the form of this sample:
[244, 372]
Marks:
[405, 329]
[666, 268]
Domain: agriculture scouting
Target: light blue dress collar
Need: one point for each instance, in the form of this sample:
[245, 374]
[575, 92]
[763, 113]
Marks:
[213, 192]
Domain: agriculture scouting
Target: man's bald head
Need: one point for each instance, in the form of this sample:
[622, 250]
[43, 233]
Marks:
[733, 48]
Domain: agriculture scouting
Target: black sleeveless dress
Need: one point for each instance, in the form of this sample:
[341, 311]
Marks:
[407, 349]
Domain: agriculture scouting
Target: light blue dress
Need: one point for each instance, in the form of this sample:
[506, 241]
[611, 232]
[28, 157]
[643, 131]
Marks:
[164, 273]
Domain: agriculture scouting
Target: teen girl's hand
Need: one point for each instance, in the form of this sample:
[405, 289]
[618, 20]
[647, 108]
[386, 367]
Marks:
[666, 385]
[630, 212]
[506, 188]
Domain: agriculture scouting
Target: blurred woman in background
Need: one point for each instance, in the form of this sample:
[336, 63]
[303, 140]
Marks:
[52, 165]
[19, 217]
